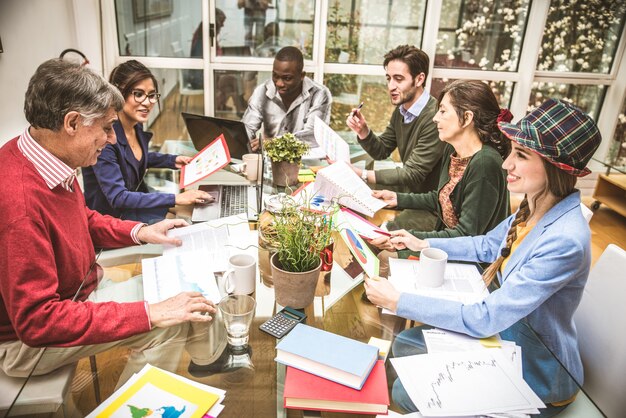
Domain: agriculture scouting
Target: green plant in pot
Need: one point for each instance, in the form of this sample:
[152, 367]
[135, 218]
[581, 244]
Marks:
[285, 152]
[299, 235]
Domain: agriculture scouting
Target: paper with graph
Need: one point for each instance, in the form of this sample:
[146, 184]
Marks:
[465, 383]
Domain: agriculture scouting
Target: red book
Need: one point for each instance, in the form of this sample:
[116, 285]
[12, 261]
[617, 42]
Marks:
[307, 391]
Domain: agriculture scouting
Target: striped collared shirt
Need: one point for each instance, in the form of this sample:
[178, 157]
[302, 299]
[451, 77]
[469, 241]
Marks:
[54, 171]
[415, 110]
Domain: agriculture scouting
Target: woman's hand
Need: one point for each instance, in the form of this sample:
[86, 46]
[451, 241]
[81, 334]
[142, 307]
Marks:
[193, 196]
[184, 307]
[402, 239]
[387, 196]
[382, 243]
[382, 293]
[157, 233]
[182, 160]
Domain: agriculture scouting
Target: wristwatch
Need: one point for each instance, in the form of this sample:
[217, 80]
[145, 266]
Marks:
[364, 175]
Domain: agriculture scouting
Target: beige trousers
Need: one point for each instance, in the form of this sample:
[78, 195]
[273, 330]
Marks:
[161, 347]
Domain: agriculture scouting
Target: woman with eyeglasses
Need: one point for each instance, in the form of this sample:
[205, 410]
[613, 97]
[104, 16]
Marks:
[114, 185]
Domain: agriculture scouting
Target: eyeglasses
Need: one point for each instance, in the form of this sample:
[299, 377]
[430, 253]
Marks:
[140, 96]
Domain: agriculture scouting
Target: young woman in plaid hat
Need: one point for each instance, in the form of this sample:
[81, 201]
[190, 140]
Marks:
[472, 196]
[540, 258]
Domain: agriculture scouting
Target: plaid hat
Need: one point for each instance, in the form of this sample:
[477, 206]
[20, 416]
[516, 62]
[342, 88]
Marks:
[560, 132]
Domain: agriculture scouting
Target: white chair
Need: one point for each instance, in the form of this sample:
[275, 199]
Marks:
[40, 395]
[601, 337]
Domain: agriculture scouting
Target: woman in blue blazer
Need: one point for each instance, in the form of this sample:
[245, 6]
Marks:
[114, 185]
[540, 259]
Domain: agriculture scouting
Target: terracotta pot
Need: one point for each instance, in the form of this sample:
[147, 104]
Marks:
[285, 173]
[296, 290]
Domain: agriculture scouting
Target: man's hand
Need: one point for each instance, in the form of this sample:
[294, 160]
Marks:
[184, 307]
[382, 243]
[387, 196]
[382, 293]
[254, 144]
[182, 160]
[402, 239]
[156, 233]
[356, 121]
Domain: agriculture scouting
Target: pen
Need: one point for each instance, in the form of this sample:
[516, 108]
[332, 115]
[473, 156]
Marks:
[357, 109]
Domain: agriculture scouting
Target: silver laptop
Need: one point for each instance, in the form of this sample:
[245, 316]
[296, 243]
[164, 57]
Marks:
[228, 200]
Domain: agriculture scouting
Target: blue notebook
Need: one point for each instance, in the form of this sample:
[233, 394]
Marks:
[327, 355]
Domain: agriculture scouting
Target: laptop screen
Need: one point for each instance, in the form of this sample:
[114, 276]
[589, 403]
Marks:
[204, 129]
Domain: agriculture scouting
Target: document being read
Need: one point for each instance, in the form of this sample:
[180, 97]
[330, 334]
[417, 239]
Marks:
[205, 250]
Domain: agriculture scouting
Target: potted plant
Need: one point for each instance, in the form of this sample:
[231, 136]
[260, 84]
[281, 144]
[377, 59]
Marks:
[299, 236]
[285, 152]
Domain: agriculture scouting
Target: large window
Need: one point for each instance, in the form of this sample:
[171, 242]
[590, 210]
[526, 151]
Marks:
[481, 34]
[581, 36]
[210, 55]
[362, 31]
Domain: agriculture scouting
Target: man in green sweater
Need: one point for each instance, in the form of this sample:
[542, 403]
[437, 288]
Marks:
[411, 128]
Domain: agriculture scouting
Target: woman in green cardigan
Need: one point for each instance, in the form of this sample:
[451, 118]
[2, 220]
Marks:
[472, 197]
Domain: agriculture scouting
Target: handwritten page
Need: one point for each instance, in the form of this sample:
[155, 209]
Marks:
[212, 157]
[333, 146]
[464, 383]
[444, 341]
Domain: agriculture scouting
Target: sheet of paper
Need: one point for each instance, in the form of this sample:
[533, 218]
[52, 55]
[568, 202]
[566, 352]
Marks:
[464, 383]
[443, 341]
[212, 157]
[217, 240]
[462, 282]
[168, 275]
[330, 142]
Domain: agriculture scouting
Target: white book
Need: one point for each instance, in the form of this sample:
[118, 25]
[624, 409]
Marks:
[340, 183]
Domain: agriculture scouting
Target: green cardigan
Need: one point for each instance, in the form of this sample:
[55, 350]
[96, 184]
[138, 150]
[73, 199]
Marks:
[419, 147]
[480, 199]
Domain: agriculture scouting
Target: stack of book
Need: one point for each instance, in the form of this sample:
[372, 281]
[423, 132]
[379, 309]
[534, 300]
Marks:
[156, 391]
[328, 372]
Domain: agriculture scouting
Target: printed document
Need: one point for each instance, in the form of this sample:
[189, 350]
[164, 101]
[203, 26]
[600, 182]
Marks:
[206, 248]
[462, 282]
[212, 157]
[331, 145]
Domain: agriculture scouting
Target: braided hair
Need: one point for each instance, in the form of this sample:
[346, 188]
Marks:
[478, 98]
[560, 184]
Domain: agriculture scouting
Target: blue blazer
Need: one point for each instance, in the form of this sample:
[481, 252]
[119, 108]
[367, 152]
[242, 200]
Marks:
[114, 186]
[541, 286]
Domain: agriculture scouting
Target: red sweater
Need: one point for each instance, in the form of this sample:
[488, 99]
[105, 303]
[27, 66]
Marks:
[47, 240]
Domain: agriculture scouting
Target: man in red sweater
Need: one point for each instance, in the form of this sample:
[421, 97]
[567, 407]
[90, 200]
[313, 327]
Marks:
[48, 235]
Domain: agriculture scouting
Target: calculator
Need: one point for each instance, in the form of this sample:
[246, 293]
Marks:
[281, 323]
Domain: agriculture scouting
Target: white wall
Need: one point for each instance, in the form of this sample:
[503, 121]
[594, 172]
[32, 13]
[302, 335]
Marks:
[33, 31]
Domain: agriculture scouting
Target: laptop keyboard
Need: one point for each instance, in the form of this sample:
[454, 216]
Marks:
[234, 200]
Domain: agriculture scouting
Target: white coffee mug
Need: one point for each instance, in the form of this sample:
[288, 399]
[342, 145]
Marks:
[251, 164]
[432, 267]
[240, 278]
